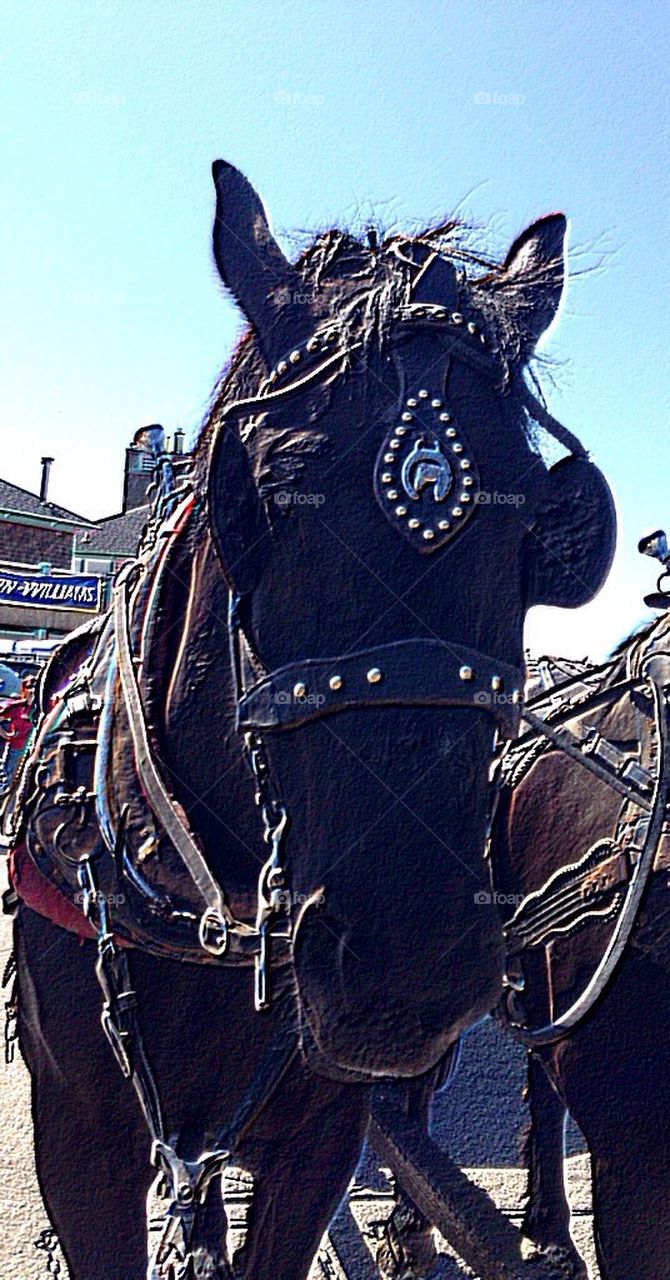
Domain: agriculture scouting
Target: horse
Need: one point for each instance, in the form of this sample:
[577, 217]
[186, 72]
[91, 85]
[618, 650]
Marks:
[564, 843]
[266, 770]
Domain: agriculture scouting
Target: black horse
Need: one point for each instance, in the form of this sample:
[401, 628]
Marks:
[344, 585]
[611, 1069]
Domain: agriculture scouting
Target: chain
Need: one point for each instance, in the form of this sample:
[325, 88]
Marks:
[47, 1242]
[274, 900]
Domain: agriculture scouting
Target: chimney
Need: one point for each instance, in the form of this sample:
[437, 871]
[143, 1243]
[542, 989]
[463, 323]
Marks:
[178, 445]
[44, 483]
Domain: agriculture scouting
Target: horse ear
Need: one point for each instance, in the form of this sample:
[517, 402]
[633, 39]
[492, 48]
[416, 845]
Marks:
[533, 277]
[237, 515]
[569, 546]
[251, 264]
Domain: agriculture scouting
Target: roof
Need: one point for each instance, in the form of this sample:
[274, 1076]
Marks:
[116, 535]
[17, 501]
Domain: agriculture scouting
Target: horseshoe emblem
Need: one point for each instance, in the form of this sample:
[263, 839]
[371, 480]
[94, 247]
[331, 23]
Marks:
[426, 478]
[426, 466]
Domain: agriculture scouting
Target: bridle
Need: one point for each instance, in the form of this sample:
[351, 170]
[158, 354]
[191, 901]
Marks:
[418, 672]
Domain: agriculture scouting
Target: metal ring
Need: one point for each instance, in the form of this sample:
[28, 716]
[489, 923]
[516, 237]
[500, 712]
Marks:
[212, 920]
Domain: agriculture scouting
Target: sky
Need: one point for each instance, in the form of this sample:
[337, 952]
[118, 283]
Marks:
[340, 112]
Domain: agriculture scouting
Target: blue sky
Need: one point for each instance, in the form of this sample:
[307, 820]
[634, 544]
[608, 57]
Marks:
[338, 112]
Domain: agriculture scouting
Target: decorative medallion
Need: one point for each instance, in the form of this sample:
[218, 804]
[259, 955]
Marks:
[426, 479]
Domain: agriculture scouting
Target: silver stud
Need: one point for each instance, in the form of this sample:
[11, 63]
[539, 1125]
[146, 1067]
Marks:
[436, 404]
[419, 312]
[482, 339]
[414, 523]
[282, 366]
[444, 524]
[335, 682]
[387, 478]
[423, 394]
[451, 433]
[464, 497]
[313, 344]
[401, 431]
[407, 417]
[457, 511]
[440, 314]
[299, 689]
[472, 328]
[392, 495]
[273, 376]
[466, 673]
[388, 457]
[496, 683]
[401, 511]
[445, 417]
[516, 697]
[428, 534]
[412, 403]
[465, 465]
[457, 317]
[457, 448]
[467, 480]
[395, 444]
[374, 675]
[295, 357]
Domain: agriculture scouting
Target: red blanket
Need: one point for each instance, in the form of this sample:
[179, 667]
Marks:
[35, 890]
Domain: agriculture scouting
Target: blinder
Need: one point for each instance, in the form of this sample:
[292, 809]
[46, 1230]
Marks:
[569, 546]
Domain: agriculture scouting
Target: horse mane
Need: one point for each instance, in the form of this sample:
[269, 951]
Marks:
[369, 286]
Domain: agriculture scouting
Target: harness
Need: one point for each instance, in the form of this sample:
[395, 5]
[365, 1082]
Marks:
[418, 672]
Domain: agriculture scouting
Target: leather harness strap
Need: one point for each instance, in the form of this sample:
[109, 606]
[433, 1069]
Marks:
[421, 672]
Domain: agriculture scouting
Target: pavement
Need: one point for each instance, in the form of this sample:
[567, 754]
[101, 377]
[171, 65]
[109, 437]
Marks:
[478, 1121]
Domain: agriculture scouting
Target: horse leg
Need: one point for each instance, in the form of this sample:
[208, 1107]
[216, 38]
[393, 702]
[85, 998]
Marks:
[546, 1222]
[302, 1153]
[91, 1143]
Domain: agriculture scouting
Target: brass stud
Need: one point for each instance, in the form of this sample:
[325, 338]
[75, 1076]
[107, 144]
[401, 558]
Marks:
[457, 511]
[467, 480]
[407, 417]
[412, 403]
[273, 376]
[414, 523]
[419, 312]
[428, 534]
[465, 465]
[387, 478]
[335, 682]
[423, 394]
[401, 511]
[395, 444]
[374, 675]
[282, 366]
[313, 344]
[445, 417]
[466, 673]
[457, 317]
[401, 431]
[436, 404]
[299, 689]
[388, 457]
[451, 433]
[440, 314]
[496, 683]
[444, 524]
[464, 497]
[392, 495]
[295, 357]
[457, 448]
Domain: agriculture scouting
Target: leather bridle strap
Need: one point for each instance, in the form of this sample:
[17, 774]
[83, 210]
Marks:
[420, 672]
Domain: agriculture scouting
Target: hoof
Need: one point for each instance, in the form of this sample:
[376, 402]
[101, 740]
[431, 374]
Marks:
[564, 1257]
[407, 1250]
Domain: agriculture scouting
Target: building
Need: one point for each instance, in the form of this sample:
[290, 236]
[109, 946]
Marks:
[56, 567]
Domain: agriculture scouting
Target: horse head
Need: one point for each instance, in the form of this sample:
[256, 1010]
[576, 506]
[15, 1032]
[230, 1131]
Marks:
[384, 519]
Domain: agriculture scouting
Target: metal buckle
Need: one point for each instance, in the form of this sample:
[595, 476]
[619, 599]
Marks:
[213, 932]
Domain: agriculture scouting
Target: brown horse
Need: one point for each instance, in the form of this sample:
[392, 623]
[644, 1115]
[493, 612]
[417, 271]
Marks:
[319, 625]
[612, 1069]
